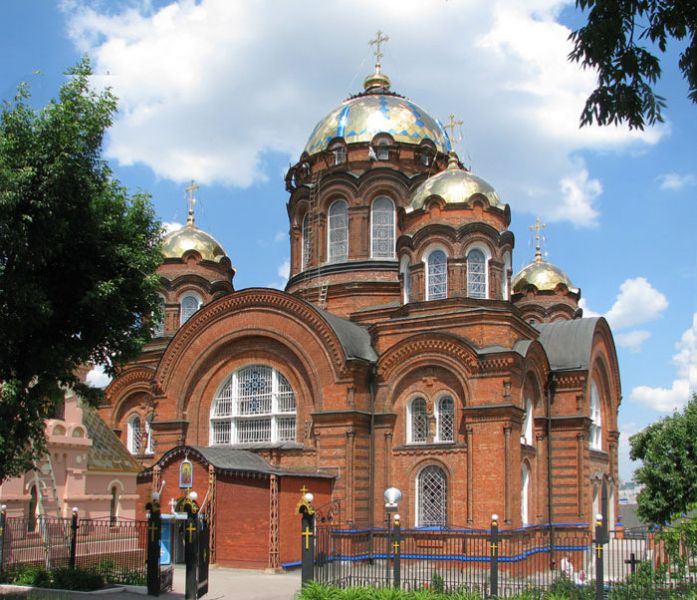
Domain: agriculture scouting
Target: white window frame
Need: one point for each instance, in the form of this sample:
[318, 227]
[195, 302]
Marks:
[338, 151]
[406, 279]
[419, 508]
[185, 316]
[158, 329]
[429, 295]
[439, 420]
[527, 434]
[525, 494]
[596, 429]
[410, 421]
[332, 255]
[236, 410]
[305, 249]
[133, 434]
[505, 278]
[487, 257]
[149, 441]
[375, 239]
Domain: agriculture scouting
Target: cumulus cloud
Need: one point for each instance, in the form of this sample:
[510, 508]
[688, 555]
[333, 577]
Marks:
[284, 269]
[588, 312]
[675, 181]
[97, 378]
[676, 396]
[170, 226]
[207, 87]
[632, 340]
[637, 302]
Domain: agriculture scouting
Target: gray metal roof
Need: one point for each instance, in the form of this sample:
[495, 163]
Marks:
[107, 452]
[354, 339]
[568, 343]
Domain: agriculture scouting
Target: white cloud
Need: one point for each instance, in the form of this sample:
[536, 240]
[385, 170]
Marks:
[588, 312]
[281, 236]
[637, 302]
[97, 378]
[677, 395]
[284, 269]
[675, 181]
[626, 465]
[170, 226]
[632, 340]
[207, 87]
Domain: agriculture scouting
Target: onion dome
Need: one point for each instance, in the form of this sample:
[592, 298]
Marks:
[455, 185]
[190, 237]
[543, 275]
[377, 110]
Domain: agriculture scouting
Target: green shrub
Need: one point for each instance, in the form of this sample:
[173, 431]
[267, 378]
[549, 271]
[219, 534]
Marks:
[83, 580]
[437, 583]
[27, 575]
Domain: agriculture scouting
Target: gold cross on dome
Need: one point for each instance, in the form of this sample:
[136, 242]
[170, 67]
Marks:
[377, 42]
[193, 186]
[452, 125]
[537, 228]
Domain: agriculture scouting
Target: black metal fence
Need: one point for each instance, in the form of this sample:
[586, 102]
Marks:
[532, 558]
[117, 548]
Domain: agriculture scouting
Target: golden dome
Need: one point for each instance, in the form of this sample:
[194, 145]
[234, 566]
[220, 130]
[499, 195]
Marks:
[361, 118]
[190, 237]
[543, 275]
[455, 186]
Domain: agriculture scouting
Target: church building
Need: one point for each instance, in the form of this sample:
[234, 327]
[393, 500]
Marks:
[403, 352]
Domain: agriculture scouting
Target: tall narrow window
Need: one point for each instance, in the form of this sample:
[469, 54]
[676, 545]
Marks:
[527, 434]
[476, 274]
[418, 421]
[256, 405]
[113, 505]
[158, 329]
[189, 305]
[382, 228]
[446, 419]
[149, 442]
[307, 242]
[432, 498]
[133, 435]
[406, 279]
[338, 231]
[524, 494]
[596, 432]
[338, 153]
[437, 276]
[505, 276]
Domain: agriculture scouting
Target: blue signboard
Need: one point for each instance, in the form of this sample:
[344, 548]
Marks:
[166, 541]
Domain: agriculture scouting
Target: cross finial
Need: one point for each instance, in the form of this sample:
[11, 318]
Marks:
[377, 42]
[537, 228]
[453, 125]
[193, 186]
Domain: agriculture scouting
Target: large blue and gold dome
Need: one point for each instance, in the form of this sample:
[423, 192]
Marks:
[362, 117]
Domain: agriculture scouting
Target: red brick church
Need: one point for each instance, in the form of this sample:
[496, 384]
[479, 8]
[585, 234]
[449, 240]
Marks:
[403, 352]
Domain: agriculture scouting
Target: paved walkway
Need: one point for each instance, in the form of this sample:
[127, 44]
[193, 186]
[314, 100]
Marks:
[224, 584]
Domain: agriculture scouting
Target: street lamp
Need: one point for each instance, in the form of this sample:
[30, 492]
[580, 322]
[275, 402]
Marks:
[392, 497]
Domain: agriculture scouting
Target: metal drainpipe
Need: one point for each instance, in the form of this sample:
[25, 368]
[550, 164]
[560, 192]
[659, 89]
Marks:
[550, 510]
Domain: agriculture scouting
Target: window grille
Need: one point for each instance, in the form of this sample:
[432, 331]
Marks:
[437, 275]
[526, 438]
[446, 419]
[382, 151]
[596, 432]
[432, 498]
[158, 329]
[134, 435]
[476, 274]
[419, 421]
[338, 231]
[189, 305]
[256, 405]
[382, 225]
[306, 247]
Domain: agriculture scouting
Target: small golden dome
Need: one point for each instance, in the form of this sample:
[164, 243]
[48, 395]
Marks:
[190, 237]
[543, 275]
[455, 186]
[377, 80]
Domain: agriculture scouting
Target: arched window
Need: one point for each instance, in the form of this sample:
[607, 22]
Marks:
[596, 432]
[436, 275]
[133, 435]
[524, 494]
[32, 509]
[528, 420]
[256, 405]
[382, 228]
[189, 305]
[338, 153]
[306, 243]
[418, 421]
[446, 419]
[505, 290]
[406, 279]
[338, 231]
[476, 274]
[113, 505]
[149, 442]
[432, 498]
[158, 329]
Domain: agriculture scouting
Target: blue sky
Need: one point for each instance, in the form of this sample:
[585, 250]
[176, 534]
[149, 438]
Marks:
[227, 93]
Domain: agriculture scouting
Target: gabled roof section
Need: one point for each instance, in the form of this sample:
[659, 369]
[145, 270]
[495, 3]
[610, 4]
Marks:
[568, 344]
[354, 339]
[107, 452]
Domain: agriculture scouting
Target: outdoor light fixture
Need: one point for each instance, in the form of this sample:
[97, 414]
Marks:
[156, 496]
[308, 497]
[74, 510]
[193, 496]
[392, 498]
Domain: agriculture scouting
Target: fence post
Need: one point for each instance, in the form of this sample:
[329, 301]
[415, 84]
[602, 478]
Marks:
[494, 557]
[153, 544]
[307, 531]
[73, 537]
[396, 546]
[191, 554]
[3, 522]
[599, 570]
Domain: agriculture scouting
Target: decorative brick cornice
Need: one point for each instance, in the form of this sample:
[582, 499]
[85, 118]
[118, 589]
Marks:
[260, 299]
[140, 378]
[575, 380]
[429, 450]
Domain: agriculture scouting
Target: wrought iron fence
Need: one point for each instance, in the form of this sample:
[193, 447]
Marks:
[116, 548]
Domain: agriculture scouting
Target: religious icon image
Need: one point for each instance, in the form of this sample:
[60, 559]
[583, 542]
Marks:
[186, 474]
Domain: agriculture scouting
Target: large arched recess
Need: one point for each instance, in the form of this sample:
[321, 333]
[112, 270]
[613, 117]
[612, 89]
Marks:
[536, 371]
[604, 368]
[132, 382]
[263, 323]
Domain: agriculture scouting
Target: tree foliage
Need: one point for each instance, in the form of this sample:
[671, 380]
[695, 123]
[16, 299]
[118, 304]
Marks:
[77, 259]
[617, 40]
[668, 449]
